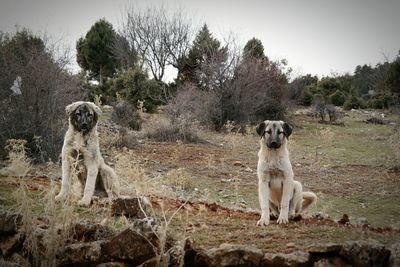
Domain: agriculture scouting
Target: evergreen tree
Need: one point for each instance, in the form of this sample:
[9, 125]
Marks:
[205, 49]
[254, 48]
[94, 52]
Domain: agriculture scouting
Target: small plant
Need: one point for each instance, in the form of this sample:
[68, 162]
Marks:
[126, 115]
[18, 162]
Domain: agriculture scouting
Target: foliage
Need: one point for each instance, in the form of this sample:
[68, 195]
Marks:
[205, 51]
[134, 85]
[337, 98]
[392, 81]
[298, 88]
[95, 51]
[126, 115]
[34, 90]
[353, 102]
[254, 48]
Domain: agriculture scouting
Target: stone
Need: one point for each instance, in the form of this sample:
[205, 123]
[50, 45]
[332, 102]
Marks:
[294, 259]
[86, 231]
[324, 248]
[363, 253]
[11, 244]
[82, 254]
[394, 259]
[128, 207]
[362, 221]
[9, 222]
[331, 262]
[229, 255]
[132, 246]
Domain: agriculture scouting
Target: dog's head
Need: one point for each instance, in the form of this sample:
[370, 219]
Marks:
[274, 133]
[83, 115]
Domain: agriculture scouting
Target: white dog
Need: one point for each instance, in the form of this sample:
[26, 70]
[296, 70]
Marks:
[81, 154]
[278, 192]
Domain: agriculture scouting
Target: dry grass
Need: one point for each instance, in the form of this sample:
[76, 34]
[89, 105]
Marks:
[18, 163]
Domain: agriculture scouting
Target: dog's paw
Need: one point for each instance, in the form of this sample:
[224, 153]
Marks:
[84, 202]
[263, 221]
[283, 219]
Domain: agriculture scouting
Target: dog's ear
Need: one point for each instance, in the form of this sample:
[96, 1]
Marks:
[72, 107]
[95, 108]
[260, 128]
[287, 129]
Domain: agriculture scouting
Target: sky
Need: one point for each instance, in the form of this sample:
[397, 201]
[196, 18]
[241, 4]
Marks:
[315, 36]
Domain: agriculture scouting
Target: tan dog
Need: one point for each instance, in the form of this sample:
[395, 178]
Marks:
[278, 192]
[81, 153]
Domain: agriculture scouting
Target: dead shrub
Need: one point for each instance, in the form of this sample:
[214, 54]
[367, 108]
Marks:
[171, 130]
[18, 163]
[126, 115]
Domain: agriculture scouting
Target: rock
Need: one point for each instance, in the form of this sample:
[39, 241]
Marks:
[290, 245]
[19, 261]
[321, 215]
[153, 262]
[362, 221]
[363, 253]
[295, 259]
[132, 246]
[86, 231]
[82, 254]
[394, 259]
[9, 222]
[111, 264]
[331, 262]
[11, 244]
[238, 164]
[144, 225]
[229, 255]
[128, 207]
[324, 248]
[344, 220]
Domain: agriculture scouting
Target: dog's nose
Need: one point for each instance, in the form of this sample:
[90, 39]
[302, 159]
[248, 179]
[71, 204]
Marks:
[274, 144]
[84, 125]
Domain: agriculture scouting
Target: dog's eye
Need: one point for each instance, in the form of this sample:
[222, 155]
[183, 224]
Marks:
[269, 132]
[280, 132]
[90, 115]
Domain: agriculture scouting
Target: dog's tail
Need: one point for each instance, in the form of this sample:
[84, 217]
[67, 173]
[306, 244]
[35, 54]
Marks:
[308, 199]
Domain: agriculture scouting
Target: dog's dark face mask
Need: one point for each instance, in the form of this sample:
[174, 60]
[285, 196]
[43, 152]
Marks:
[83, 118]
[274, 133]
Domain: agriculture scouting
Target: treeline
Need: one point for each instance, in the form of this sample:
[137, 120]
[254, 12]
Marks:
[369, 87]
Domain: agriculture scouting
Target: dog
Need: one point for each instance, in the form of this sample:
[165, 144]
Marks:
[81, 154]
[278, 192]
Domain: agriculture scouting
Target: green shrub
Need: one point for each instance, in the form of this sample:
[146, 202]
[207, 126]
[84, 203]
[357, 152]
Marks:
[125, 114]
[337, 98]
[307, 97]
[353, 102]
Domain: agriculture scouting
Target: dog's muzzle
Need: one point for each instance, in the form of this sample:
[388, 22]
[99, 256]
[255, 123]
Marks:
[273, 145]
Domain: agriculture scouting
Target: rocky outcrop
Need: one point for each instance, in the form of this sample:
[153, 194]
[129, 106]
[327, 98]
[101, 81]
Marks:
[230, 255]
[362, 253]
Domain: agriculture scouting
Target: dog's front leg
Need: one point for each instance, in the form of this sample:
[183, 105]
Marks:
[286, 195]
[92, 170]
[66, 178]
[263, 196]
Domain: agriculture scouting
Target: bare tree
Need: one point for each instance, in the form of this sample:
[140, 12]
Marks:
[160, 38]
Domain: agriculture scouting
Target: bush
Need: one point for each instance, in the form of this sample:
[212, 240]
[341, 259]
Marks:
[126, 115]
[34, 90]
[353, 102]
[380, 101]
[337, 98]
[172, 130]
[307, 97]
[134, 85]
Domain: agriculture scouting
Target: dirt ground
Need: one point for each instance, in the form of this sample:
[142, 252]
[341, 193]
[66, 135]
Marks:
[352, 168]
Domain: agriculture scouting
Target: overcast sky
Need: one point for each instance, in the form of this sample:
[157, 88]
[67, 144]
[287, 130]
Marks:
[315, 36]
